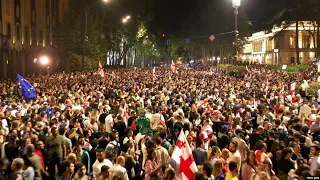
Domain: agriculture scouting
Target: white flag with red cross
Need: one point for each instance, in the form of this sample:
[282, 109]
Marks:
[173, 67]
[182, 154]
[100, 70]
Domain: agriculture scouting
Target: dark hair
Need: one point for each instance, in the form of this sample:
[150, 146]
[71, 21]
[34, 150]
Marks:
[158, 140]
[112, 136]
[125, 147]
[199, 142]
[285, 152]
[302, 139]
[104, 168]
[150, 152]
[64, 165]
[234, 143]
[233, 166]
[127, 130]
[62, 130]
[199, 176]
[207, 166]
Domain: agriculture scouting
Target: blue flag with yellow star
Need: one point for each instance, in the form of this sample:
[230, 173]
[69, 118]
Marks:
[27, 90]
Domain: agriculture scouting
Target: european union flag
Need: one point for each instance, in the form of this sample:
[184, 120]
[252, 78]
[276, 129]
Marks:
[27, 90]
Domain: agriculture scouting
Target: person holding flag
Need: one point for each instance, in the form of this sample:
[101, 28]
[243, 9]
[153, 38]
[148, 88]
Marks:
[173, 67]
[182, 154]
[100, 70]
[27, 90]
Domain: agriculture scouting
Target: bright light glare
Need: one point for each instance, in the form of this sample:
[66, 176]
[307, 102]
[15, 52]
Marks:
[44, 60]
[124, 20]
[128, 17]
[236, 3]
[105, 0]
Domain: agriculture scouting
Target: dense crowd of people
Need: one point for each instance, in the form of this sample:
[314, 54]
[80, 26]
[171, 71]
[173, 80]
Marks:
[249, 126]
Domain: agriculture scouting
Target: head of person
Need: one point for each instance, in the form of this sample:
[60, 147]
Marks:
[3, 163]
[105, 171]
[217, 168]
[315, 150]
[199, 143]
[251, 158]
[233, 147]
[39, 145]
[81, 169]
[121, 160]
[295, 147]
[100, 155]
[169, 173]
[287, 153]
[151, 154]
[233, 167]
[225, 153]
[67, 167]
[54, 131]
[29, 149]
[17, 164]
[207, 169]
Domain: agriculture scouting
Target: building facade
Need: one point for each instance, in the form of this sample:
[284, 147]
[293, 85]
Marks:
[27, 29]
[278, 46]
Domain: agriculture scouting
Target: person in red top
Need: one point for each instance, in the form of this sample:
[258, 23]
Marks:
[38, 151]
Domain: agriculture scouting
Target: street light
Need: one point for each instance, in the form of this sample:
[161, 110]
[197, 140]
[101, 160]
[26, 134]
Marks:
[236, 4]
[125, 20]
[44, 60]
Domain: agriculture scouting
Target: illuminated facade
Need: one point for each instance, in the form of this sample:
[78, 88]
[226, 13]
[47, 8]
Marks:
[27, 29]
[278, 45]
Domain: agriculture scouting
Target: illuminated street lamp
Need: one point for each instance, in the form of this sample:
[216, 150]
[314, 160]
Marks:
[44, 60]
[236, 4]
[125, 20]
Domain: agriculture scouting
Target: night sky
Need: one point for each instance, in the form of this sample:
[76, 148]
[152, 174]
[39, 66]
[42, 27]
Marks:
[197, 17]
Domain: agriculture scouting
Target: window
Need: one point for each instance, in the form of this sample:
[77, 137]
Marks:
[18, 32]
[257, 46]
[26, 34]
[306, 41]
[269, 44]
[9, 30]
[292, 41]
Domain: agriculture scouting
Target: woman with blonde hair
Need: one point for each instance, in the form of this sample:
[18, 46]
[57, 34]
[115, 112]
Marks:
[217, 170]
[215, 155]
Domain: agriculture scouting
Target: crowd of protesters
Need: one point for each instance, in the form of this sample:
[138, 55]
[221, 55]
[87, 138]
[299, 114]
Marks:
[125, 125]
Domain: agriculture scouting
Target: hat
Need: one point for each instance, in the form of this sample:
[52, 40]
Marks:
[225, 127]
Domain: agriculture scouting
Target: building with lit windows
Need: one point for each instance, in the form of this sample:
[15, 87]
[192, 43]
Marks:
[278, 46]
[27, 31]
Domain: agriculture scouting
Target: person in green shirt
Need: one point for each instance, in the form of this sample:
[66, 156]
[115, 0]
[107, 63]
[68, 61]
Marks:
[55, 150]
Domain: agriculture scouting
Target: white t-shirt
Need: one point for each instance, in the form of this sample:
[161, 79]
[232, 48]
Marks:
[109, 123]
[96, 168]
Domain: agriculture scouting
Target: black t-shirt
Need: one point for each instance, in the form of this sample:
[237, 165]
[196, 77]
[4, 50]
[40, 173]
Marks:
[285, 165]
[120, 126]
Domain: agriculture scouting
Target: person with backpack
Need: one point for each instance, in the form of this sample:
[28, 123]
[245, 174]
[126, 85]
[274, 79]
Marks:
[17, 168]
[113, 144]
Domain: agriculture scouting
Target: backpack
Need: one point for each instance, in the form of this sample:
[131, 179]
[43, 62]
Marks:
[116, 149]
[22, 175]
[280, 134]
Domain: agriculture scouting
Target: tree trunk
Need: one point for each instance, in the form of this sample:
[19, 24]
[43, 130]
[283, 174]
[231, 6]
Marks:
[317, 45]
[297, 42]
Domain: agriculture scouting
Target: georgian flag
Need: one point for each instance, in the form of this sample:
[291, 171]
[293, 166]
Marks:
[293, 87]
[100, 70]
[173, 67]
[182, 154]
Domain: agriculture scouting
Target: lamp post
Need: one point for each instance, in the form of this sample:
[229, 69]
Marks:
[86, 39]
[236, 4]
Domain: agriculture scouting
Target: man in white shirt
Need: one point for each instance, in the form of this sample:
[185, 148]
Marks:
[118, 169]
[109, 122]
[234, 154]
[101, 161]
